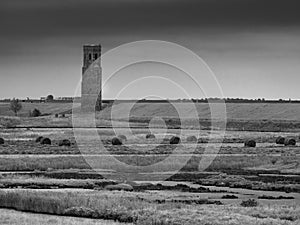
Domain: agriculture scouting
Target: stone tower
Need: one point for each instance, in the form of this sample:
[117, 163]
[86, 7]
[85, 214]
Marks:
[91, 93]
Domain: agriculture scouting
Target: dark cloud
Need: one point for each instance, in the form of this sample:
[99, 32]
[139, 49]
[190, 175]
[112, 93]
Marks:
[33, 18]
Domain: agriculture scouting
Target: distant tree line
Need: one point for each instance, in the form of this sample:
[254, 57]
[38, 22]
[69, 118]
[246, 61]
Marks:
[210, 100]
[50, 98]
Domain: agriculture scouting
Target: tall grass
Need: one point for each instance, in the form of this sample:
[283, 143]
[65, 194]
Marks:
[127, 207]
[221, 163]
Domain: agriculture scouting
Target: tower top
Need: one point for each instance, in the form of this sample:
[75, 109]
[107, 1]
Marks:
[91, 46]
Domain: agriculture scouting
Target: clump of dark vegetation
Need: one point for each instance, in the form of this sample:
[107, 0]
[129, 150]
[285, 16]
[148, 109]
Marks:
[50, 183]
[280, 140]
[290, 142]
[116, 141]
[67, 174]
[229, 197]
[174, 140]
[275, 198]
[119, 187]
[1, 141]
[35, 113]
[249, 203]
[235, 181]
[177, 187]
[191, 139]
[186, 201]
[150, 136]
[64, 142]
[45, 141]
[250, 143]
[203, 140]
[197, 201]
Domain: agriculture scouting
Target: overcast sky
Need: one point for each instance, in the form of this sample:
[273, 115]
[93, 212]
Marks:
[253, 46]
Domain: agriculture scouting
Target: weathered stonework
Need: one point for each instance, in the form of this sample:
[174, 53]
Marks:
[91, 84]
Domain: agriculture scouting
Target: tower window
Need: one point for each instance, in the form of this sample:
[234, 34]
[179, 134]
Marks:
[90, 56]
[95, 56]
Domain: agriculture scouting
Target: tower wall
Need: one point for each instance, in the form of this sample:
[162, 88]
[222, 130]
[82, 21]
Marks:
[91, 85]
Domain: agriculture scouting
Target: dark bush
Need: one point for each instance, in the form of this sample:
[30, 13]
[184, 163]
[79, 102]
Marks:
[150, 136]
[1, 141]
[280, 140]
[36, 113]
[290, 142]
[116, 141]
[119, 187]
[191, 139]
[175, 140]
[275, 198]
[64, 142]
[249, 203]
[45, 141]
[56, 115]
[38, 139]
[273, 161]
[250, 143]
[123, 137]
[229, 197]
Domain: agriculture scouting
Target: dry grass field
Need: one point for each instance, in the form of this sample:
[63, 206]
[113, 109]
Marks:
[144, 208]
[236, 111]
[243, 185]
[45, 108]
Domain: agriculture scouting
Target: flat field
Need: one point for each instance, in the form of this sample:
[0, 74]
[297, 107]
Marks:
[242, 185]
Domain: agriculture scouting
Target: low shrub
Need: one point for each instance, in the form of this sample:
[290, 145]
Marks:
[249, 203]
[229, 197]
[119, 187]
[202, 140]
[64, 142]
[1, 141]
[275, 198]
[36, 113]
